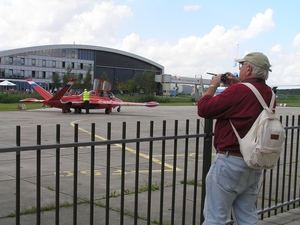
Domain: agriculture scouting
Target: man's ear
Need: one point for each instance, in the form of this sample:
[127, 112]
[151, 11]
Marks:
[249, 70]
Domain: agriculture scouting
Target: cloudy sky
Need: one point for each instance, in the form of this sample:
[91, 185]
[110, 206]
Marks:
[187, 37]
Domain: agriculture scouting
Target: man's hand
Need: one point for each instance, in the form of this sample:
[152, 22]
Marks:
[231, 79]
[216, 80]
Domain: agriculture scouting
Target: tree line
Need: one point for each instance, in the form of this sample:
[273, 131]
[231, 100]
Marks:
[81, 83]
[140, 83]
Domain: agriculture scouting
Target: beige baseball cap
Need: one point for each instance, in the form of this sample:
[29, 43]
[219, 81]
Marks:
[258, 59]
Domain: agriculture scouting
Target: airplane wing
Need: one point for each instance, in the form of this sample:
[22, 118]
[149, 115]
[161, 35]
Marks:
[121, 103]
[31, 100]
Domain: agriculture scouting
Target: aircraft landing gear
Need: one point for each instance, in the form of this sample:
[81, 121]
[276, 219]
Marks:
[107, 111]
[119, 109]
[66, 110]
[77, 111]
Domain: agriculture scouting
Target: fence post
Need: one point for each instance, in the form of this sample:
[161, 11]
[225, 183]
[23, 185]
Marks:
[207, 152]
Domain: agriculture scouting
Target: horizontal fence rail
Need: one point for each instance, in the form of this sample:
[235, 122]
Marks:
[158, 178]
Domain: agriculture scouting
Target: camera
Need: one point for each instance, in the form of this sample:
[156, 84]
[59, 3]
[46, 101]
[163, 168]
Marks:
[224, 78]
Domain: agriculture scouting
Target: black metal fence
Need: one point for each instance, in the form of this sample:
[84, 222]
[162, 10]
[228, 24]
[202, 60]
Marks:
[156, 179]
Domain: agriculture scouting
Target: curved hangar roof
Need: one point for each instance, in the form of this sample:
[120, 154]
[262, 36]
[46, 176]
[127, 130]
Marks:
[81, 47]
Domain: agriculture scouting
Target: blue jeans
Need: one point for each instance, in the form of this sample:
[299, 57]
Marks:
[231, 184]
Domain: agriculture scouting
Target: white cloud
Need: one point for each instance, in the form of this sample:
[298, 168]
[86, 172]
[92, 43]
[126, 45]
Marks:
[195, 55]
[285, 69]
[38, 22]
[296, 41]
[191, 7]
[99, 23]
[260, 23]
[96, 22]
[276, 48]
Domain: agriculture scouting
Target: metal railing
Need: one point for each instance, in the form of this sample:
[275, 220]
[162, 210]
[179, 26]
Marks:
[158, 179]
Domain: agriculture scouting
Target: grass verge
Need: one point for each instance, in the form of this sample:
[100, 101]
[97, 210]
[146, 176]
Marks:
[15, 106]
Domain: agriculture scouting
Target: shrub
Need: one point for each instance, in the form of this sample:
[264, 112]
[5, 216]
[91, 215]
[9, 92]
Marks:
[16, 97]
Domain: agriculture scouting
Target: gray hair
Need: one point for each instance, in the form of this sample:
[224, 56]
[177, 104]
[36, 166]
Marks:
[258, 71]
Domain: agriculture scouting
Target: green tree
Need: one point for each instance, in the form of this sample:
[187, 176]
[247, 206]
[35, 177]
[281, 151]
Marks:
[104, 76]
[130, 86]
[137, 82]
[55, 80]
[144, 82]
[67, 76]
[150, 84]
[118, 84]
[78, 84]
[87, 81]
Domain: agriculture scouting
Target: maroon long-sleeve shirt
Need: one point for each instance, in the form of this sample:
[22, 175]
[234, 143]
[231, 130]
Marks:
[237, 103]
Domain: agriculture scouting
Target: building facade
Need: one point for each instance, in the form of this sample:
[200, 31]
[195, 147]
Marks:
[41, 62]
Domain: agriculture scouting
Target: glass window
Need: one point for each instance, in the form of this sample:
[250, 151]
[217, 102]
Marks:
[44, 63]
[33, 62]
[81, 65]
[73, 65]
[11, 60]
[33, 74]
[44, 75]
[22, 61]
[53, 63]
[10, 73]
[64, 64]
[22, 73]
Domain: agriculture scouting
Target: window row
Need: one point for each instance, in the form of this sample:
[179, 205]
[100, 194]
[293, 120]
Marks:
[45, 63]
[30, 74]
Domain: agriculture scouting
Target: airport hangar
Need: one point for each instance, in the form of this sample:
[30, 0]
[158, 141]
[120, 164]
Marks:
[41, 62]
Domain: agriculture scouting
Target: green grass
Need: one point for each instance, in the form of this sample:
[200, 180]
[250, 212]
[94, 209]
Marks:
[14, 106]
[289, 103]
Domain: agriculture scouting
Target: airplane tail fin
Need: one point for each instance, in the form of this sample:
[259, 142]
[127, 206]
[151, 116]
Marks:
[42, 92]
[63, 90]
[46, 95]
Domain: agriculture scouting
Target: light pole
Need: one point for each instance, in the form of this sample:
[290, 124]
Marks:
[200, 83]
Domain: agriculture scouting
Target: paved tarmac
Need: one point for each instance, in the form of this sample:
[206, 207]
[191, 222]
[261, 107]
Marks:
[48, 118]
[291, 217]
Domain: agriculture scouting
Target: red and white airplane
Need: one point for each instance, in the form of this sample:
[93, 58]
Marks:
[106, 100]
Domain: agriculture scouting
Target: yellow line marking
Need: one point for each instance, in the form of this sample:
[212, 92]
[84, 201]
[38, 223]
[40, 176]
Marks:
[127, 148]
[118, 172]
[178, 155]
[154, 171]
[88, 172]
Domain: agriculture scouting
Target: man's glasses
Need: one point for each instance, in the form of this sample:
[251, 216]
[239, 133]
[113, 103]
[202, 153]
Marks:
[241, 64]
